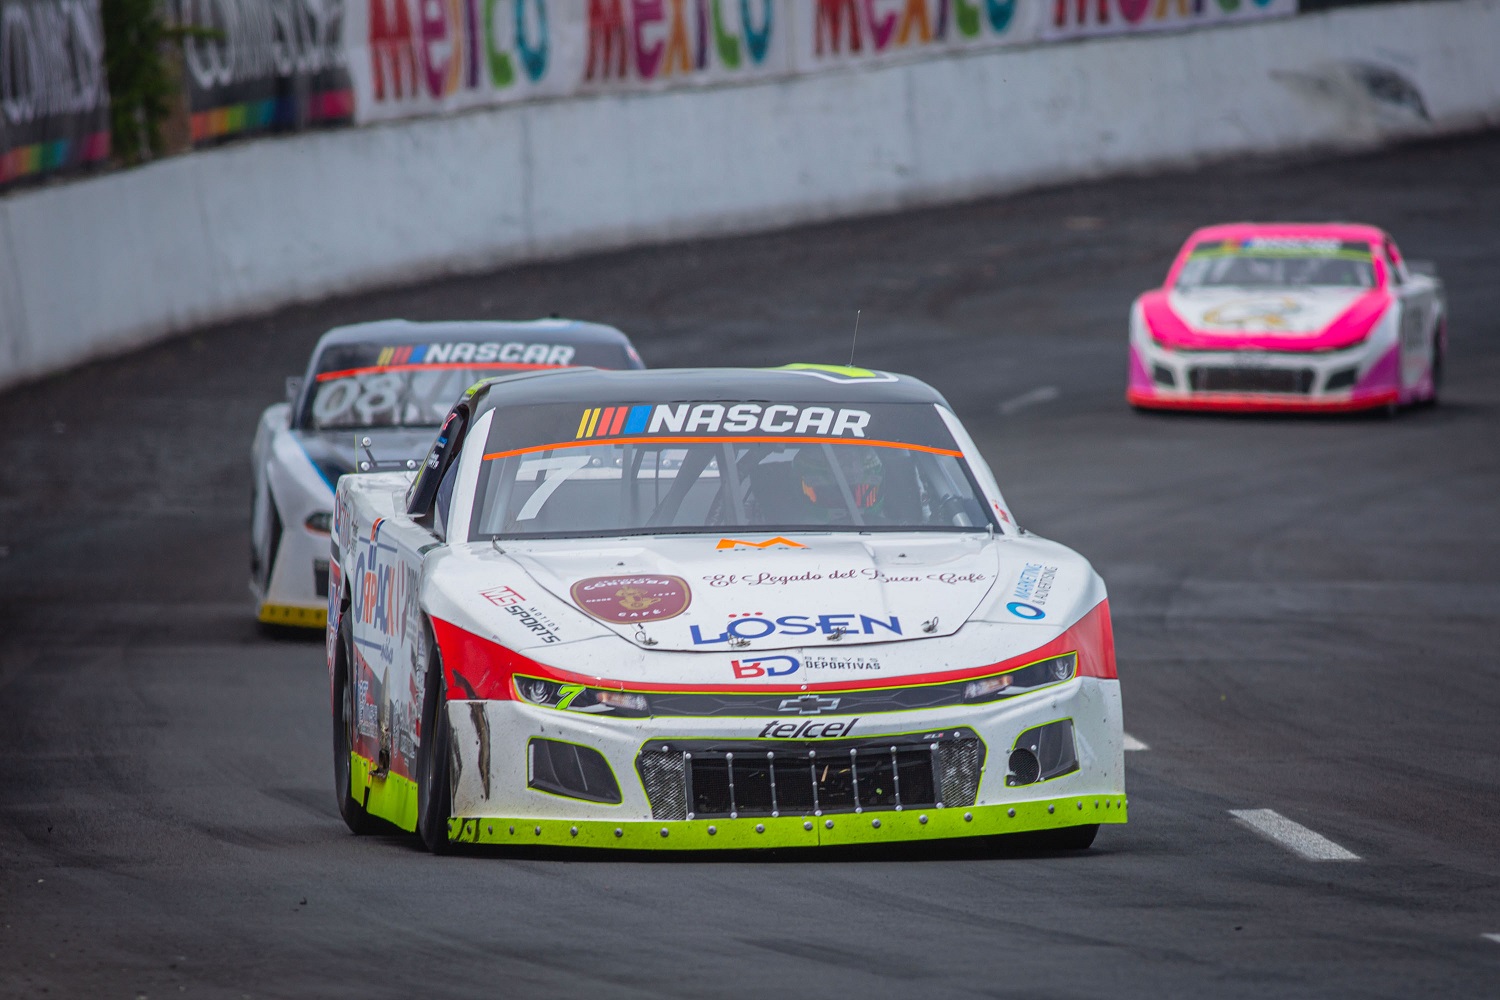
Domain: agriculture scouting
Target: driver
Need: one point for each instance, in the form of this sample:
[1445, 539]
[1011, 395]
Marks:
[826, 501]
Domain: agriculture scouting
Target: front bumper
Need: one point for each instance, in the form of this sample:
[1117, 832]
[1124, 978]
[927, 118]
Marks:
[869, 827]
[295, 615]
[1241, 402]
[496, 798]
[1262, 382]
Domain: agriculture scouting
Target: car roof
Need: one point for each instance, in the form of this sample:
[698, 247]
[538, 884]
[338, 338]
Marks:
[792, 383]
[1348, 231]
[405, 331]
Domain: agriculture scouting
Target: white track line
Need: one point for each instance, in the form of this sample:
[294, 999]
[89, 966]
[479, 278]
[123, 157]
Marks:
[1492, 937]
[1043, 394]
[1131, 743]
[1295, 837]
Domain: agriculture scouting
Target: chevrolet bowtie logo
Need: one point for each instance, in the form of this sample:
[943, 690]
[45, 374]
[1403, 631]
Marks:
[808, 704]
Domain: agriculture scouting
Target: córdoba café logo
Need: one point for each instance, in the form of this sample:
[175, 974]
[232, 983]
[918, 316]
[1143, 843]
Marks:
[625, 600]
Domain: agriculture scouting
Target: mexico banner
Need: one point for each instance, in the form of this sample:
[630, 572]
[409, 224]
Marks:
[422, 57]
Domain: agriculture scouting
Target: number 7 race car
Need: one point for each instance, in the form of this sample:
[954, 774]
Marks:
[683, 609]
[388, 384]
[1289, 318]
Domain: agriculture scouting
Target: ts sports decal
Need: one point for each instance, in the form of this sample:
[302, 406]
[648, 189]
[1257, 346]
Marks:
[535, 622]
[757, 626]
[809, 730]
[501, 596]
[777, 542]
[781, 666]
[718, 418]
[1031, 592]
[625, 600]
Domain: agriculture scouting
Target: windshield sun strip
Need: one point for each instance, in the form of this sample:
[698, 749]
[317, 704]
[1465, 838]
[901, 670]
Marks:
[1359, 255]
[441, 366]
[814, 529]
[668, 442]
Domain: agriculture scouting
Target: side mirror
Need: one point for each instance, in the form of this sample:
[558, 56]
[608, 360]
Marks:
[293, 388]
[1426, 268]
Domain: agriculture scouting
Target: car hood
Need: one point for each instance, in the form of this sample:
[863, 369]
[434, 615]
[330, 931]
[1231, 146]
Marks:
[707, 593]
[1290, 319]
[671, 610]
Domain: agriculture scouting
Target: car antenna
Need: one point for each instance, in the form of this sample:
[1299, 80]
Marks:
[855, 341]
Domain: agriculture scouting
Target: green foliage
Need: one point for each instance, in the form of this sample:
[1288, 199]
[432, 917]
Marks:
[141, 84]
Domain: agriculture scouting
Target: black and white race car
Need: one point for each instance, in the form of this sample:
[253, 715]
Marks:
[373, 397]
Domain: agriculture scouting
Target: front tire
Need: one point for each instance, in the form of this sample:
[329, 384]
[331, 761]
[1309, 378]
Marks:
[1437, 373]
[434, 759]
[1069, 838]
[353, 811]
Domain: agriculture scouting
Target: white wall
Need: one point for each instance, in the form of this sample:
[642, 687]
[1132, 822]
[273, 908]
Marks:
[100, 265]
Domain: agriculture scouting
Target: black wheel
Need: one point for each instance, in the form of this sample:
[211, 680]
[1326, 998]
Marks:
[434, 760]
[254, 552]
[1437, 374]
[1069, 838]
[358, 821]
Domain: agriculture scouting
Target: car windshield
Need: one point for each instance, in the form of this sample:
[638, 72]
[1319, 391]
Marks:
[360, 386]
[1278, 263]
[710, 467]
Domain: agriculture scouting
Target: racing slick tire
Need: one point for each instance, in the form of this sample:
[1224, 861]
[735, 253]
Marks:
[1437, 374]
[434, 759]
[1069, 838]
[355, 817]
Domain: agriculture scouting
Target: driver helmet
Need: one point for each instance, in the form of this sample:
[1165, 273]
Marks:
[862, 470]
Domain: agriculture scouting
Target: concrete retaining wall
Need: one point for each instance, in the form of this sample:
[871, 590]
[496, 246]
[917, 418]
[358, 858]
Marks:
[105, 264]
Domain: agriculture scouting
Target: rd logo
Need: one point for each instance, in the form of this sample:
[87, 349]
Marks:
[766, 666]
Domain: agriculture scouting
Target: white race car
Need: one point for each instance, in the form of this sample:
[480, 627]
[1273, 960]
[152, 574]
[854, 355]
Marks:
[373, 396]
[713, 608]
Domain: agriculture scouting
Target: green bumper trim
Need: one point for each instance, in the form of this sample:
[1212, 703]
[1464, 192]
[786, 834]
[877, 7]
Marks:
[870, 827]
[390, 797]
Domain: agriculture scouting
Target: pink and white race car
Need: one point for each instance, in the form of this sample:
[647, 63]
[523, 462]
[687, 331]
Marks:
[1288, 317]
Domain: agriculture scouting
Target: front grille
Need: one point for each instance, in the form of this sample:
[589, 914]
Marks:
[320, 577]
[1206, 378]
[662, 774]
[700, 779]
[1341, 379]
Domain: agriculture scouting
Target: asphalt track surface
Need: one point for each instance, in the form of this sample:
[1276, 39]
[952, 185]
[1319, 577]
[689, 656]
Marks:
[1307, 613]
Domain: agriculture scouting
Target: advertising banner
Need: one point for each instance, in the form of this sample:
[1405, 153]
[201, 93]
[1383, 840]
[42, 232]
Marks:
[833, 33]
[54, 100]
[413, 57]
[421, 57]
[1081, 18]
[262, 65]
